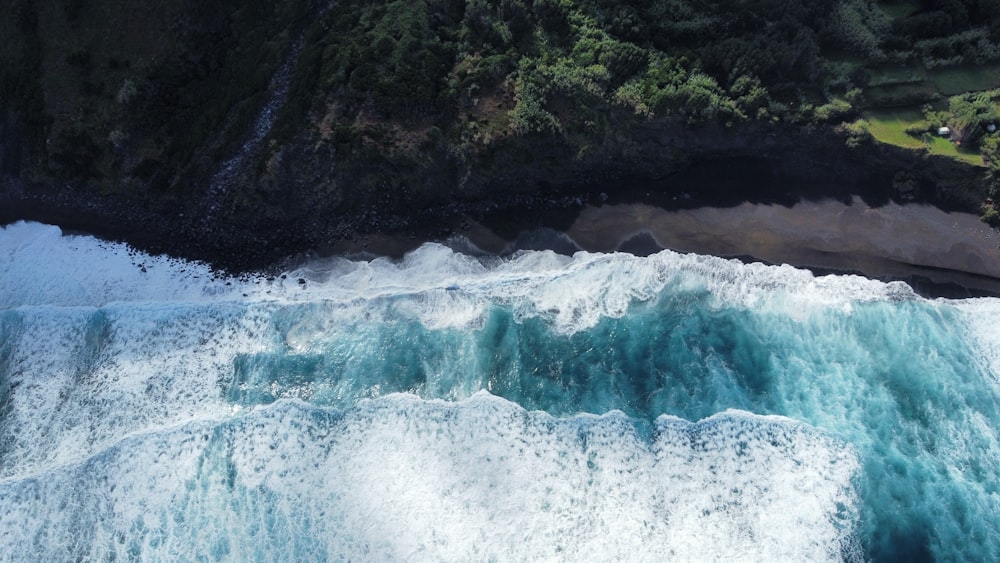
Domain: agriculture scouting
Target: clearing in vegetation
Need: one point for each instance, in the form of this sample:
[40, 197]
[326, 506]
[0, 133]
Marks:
[890, 126]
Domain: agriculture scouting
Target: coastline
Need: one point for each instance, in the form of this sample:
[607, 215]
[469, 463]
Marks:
[939, 253]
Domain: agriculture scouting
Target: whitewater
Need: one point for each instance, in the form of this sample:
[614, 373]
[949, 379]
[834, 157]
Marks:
[449, 407]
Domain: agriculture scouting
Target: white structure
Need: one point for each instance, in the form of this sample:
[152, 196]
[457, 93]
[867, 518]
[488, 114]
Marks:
[991, 127]
[944, 131]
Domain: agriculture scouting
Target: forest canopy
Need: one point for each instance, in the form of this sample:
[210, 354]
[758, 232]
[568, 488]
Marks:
[110, 94]
[692, 59]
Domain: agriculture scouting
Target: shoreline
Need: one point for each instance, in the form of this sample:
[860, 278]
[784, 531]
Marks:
[939, 253]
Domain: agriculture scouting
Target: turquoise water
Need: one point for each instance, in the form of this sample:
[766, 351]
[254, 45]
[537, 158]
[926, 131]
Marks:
[443, 407]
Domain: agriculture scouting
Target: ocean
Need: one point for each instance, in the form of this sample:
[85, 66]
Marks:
[449, 407]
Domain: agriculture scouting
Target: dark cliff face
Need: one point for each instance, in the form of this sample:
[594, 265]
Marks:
[309, 197]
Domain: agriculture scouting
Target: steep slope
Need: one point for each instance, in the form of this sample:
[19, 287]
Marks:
[241, 132]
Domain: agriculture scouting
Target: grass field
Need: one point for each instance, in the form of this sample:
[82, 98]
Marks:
[898, 95]
[947, 148]
[890, 127]
[897, 9]
[891, 76]
[961, 79]
[894, 87]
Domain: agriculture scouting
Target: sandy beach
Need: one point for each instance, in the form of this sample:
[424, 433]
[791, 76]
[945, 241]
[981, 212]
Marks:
[939, 253]
[919, 244]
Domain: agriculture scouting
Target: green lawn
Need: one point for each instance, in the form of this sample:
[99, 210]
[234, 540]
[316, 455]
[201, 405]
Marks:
[889, 126]
[900, 94]
[959, 80]
[897, 9]
[947, 148]
[891, 76]
[894, 87]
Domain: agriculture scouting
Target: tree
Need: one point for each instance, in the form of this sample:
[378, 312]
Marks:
[970, 114]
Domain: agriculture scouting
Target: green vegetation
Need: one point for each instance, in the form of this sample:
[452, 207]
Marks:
[899, 9]
[909, 86]
[989, 145]
[121, 96]
[937, 53]
[967, 78]
[114, 92]
[490, 69]
[483, 71]
[945, 147]
[968, 117]
[893, 127]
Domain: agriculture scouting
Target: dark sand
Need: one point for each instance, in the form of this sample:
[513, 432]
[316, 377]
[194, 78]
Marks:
[939, 253]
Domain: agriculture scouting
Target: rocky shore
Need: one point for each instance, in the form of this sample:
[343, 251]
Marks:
[939, 253]
[244, 135]
[779, 195]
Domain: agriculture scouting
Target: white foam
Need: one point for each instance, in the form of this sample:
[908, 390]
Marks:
[574, 293]
[982, 317]
[87, 377]
[41, 267]
[399, 478]
[84, 378]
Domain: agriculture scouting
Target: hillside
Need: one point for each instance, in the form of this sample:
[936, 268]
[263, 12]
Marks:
[257, 129]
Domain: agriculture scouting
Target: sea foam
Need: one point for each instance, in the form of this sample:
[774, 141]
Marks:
[151, 408]
[399, 478]
[42, 267]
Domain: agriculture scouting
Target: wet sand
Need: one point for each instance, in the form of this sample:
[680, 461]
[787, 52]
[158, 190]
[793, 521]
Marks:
[950, 254]
[936, 252]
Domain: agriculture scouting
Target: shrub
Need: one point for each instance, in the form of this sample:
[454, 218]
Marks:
[920, 129]
[833, 111]
[991, 215]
